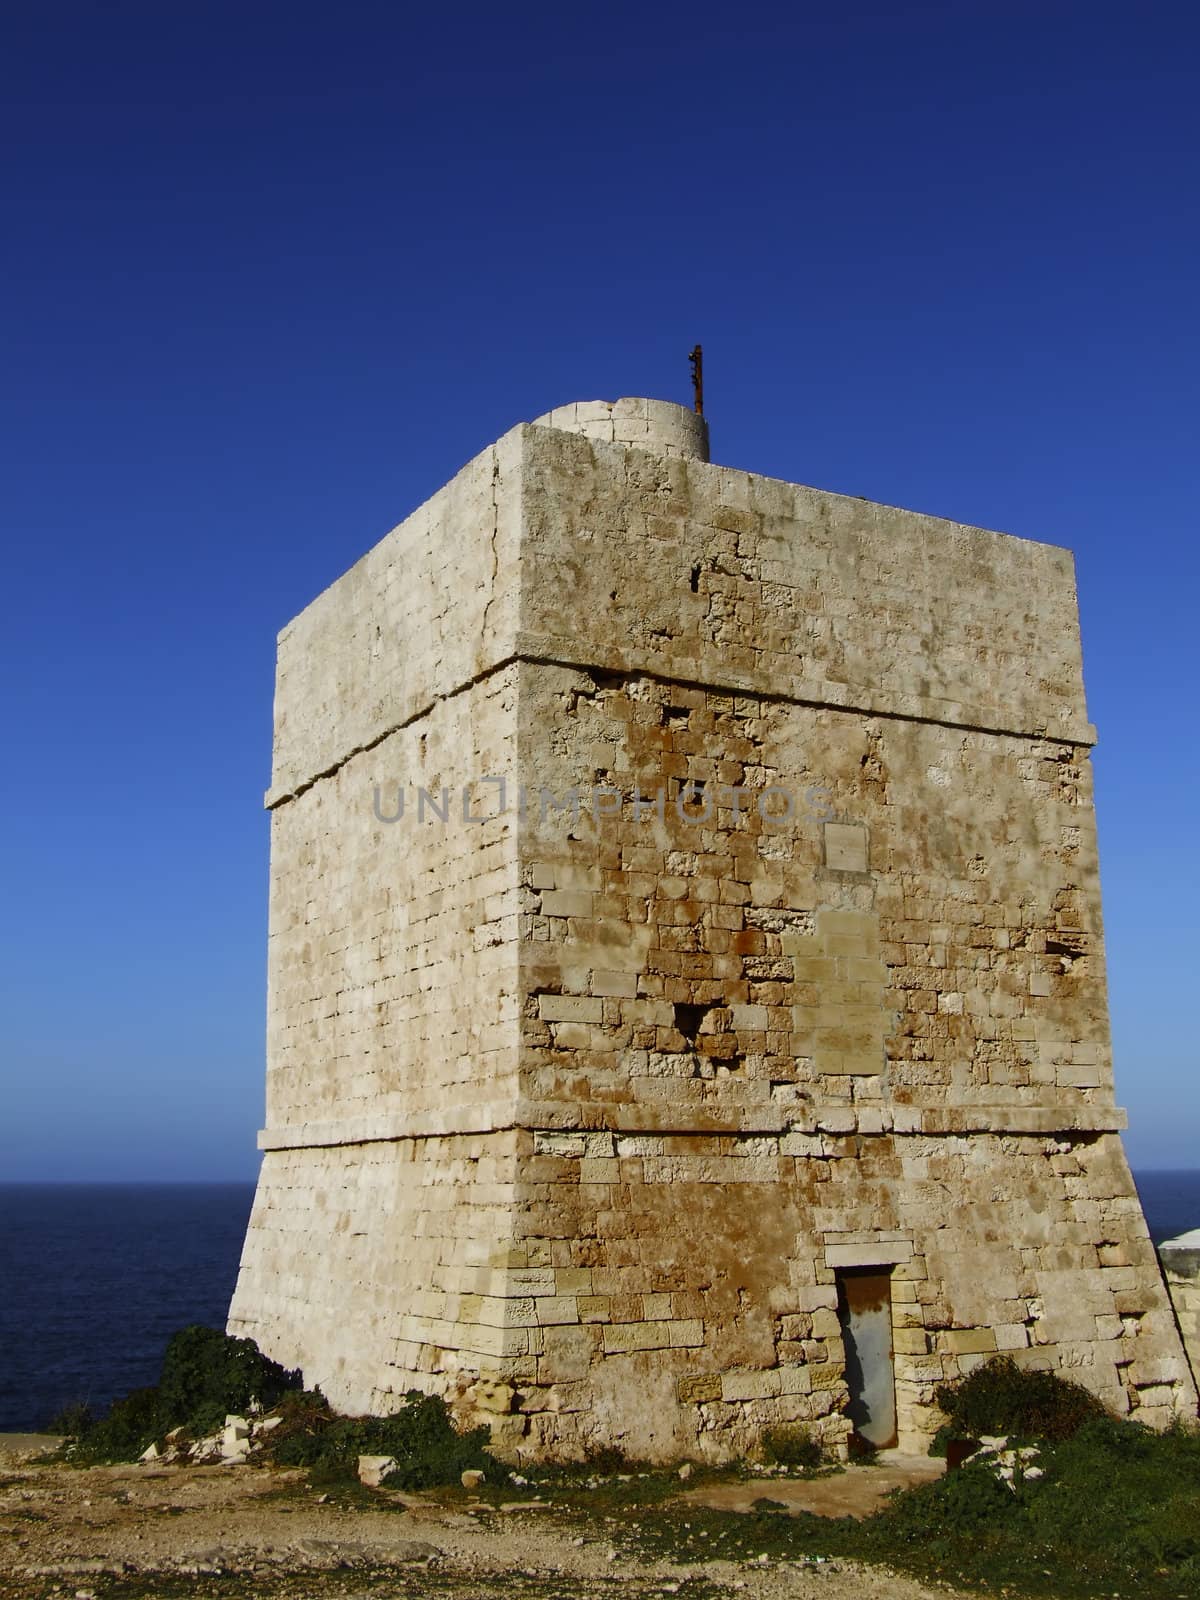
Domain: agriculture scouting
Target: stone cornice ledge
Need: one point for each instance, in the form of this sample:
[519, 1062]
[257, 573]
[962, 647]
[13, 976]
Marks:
[504, 1116]
[712, 672]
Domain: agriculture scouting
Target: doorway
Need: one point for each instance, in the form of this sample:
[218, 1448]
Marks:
[865, 1313]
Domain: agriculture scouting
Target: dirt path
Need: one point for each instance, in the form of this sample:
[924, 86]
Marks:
[857, 1492]
[138, 1531]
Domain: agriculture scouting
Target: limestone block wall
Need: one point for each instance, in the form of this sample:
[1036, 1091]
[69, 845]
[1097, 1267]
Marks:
[392, 946]
[691, 1297]
[362, 1261]
[754, 1054]
[707, 575]
[651, 425]
[429, 609]
[933, 948]
[1181, 1267]
[393, 1019]
[578, 1105]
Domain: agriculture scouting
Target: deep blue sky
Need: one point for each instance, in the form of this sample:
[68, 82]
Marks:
[273, 272]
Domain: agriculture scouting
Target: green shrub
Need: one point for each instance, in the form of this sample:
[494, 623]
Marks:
[947, 1431]
[1126, 1490]
[1002, 1398]
[608, 1460]
[429, 1450]
[205, 1375]
[72, 1420]
[1116, 1513]
[1117, 1510]
[124, 1432]
[960, 1505]
[792, 1447]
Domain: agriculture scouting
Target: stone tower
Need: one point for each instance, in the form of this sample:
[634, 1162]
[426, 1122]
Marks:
[687, 1001]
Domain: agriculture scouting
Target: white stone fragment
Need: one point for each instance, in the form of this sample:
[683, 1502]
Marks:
[372, 1470]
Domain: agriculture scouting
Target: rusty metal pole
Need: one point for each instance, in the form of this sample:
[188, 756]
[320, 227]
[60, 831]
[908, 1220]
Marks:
[697, 360]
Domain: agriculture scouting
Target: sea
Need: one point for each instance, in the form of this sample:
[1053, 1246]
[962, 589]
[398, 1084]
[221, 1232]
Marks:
[94, 1278]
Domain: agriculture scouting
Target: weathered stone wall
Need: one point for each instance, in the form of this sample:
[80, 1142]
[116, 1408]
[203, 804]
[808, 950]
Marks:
[393, 1017]
[360, 1260]
[653, 425]
[392, 953]
[706, 575]
[1181, 1267]
[643, 1076]
[429, 610]
[692, 1300]
[924, 944]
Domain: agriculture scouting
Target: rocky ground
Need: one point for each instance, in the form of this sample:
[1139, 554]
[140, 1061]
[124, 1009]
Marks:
[221, 1531]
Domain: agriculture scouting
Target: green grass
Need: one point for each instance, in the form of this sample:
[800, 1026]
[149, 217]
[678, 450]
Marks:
[389, 1583]
[1117, 1513]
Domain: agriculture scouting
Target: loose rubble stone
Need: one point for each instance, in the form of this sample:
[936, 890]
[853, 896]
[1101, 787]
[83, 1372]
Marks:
[372, 1470]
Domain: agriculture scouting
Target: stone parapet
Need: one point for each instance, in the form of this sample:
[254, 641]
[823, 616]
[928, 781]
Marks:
[654, 425]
